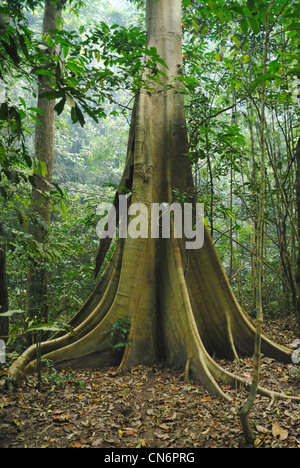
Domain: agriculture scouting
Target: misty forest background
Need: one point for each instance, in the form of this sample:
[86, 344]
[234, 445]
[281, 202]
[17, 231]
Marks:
[222, 77]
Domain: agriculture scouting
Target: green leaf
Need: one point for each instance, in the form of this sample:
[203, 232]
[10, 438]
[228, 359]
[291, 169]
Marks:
[254, 25]
[42, 168]
[274, 66]
[22, 218]
[12, 50]
[51, 95]
[34, 117]
[32, 181]
[77, 115]
[3, 193]
[63, 207]
[43, 327]
[213, 5]
[236, 41]
[267, 77]
[22, 102]
[60, 190]
[10, 313]
[251, 5]
[229, 213]
[244, 26]
[221, 15]
[238, 9]
[37, 110]
[196, 26]
[43, 72]
[60, 106]
[75, 68]
[4, 111]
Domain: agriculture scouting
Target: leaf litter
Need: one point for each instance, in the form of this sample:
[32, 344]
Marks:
[153, 407]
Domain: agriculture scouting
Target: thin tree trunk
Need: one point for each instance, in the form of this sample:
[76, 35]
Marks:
[233, 122]
[253, 203]
[37, 294]
[298, 213]
[4, 321]
[212, 190]
[244, 414]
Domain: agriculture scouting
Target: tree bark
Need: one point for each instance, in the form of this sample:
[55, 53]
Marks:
[298, 213]
[4, 321]
[37, 294]
[179, 303]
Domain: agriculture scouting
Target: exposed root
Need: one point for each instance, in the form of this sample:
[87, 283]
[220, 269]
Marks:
[86, 320]
[234, 380]
[187, 368]
[88, 346]
[195, 344]
[231, 340]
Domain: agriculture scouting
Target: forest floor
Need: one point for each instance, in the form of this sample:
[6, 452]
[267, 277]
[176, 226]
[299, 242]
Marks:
[151, 407]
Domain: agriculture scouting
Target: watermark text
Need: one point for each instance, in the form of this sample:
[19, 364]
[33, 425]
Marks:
[138, 221]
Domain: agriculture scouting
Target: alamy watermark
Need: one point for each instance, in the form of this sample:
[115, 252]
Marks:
[139, 221]
[2, 352]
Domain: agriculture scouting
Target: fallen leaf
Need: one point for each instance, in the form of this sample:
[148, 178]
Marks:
[96, 442]
[205, 398]
[129, 431]
[279, 431]
[206, 432]
[113, 373]
[164, 427]
[76, 445]
[5, 402]
[142, 443]
[59, 418]
[247, 376]
[262, 429]
[257, 443]
[162, 436]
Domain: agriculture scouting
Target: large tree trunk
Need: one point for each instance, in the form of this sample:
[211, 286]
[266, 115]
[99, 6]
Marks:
[180, 304]
[37, 294]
